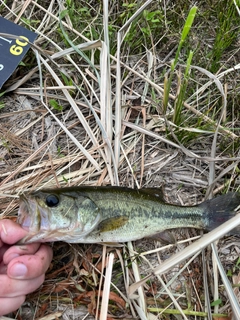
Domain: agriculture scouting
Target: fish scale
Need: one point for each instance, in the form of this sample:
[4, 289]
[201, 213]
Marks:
[88, 214]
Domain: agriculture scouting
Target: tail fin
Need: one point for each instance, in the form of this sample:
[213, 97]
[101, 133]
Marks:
[221, 209]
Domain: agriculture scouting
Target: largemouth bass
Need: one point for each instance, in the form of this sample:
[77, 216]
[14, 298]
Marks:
[113, 214]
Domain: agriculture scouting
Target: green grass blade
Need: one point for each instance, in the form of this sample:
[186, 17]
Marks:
[186, 29]
[180, 99]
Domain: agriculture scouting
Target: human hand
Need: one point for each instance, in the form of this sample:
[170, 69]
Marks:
[22, 267]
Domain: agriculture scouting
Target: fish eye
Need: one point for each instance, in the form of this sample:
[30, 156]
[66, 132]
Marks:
[52, 200]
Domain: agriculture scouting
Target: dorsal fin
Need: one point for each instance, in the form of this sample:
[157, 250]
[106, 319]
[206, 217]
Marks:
[156, 192]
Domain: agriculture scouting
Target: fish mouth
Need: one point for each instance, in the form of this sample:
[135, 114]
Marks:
[24, 218]
[34, 219]
[30, 215]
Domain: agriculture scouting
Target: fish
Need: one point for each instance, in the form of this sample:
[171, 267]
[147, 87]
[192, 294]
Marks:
[111, 214]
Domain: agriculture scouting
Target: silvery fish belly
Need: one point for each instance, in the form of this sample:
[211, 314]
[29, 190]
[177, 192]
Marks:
[113, 214]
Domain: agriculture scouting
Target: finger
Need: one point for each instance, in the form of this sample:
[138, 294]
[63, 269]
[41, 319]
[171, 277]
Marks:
[3, 268]
[17, 251]
[11, 232]
[11, 288]
[30, 266]
[3, 249]
[10, 304]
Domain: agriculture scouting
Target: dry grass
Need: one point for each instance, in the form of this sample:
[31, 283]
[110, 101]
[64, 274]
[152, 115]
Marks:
[108, 127]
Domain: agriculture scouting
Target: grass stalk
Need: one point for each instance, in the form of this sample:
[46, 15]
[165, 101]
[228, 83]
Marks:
[187, 313]
[168, 81]
[182, 90]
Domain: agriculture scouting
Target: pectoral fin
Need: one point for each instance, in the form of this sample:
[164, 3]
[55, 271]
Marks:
[111, 224]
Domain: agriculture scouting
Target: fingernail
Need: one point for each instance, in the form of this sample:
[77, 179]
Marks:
[18, 270]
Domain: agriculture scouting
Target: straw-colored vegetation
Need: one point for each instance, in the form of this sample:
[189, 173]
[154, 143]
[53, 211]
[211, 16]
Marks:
[130, 93]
